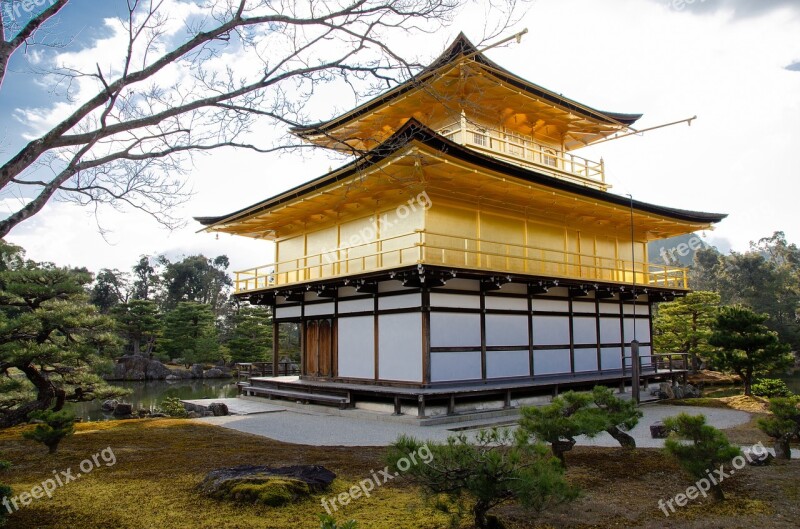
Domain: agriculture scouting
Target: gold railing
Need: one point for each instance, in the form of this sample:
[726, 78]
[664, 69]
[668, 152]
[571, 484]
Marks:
[524, 150]
[421, 246]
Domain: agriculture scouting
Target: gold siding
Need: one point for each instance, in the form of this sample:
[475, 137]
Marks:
[397, 232]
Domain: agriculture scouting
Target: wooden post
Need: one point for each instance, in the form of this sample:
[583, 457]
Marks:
[275, 343]
[635, 371]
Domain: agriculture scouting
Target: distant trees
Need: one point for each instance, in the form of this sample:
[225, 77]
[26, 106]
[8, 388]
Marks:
[51, 338]
[190, 333]
[745, 346]
[251, 334]
[139, 322]
[684, 326]
[766, 278]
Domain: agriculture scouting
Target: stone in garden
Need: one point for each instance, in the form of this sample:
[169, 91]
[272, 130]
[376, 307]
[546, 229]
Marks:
[123, 410]
[213, 373]
[266, 485]
[758, 458]
[218, 409]
[690, 392]
[192, 415]
[109, 405]
[658, 430]
[665, 391]
[172, 378]
[677, 390]
[197, 371]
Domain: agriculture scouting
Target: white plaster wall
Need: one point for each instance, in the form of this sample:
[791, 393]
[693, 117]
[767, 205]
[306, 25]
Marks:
[585, 360]
[584, 330]
[400, 347]
[464, 365]
[319, 310]
[610, 358]
[506, 329]
[287, 312]
[550, 330]
[455, 330]
[507, 364]
[551, 361]
[400, 302]
[439, 299]
[610, 331]
[356, 347]
[356, 305]
[503, 303]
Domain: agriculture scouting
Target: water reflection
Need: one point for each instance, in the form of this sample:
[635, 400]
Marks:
[147, 395]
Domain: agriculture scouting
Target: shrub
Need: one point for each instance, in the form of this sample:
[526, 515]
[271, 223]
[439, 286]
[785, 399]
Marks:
[783, 425]
[708, 449]
[173, 407]
[53, 428]
[329, 522]
[620, 415]
[771, 387]
[485, 472]
[566, 417]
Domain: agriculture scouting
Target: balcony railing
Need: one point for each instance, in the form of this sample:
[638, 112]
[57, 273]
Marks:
[426, 247]
[525, 151]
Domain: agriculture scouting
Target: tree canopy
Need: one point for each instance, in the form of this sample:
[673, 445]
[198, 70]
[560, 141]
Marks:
[51, 338]
[193, 77]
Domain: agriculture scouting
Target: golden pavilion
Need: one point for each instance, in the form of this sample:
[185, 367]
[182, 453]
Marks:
[465, 251]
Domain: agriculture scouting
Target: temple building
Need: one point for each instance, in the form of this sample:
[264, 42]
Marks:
[466, 251]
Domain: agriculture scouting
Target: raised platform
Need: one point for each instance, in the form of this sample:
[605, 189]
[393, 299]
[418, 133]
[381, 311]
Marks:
[449, 396]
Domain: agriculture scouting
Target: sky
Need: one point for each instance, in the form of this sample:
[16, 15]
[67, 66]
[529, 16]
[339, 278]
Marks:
[733, 63]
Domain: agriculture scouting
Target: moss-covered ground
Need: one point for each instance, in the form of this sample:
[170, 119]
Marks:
[160, 462]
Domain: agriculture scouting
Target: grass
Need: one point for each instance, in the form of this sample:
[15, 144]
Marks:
[160, 463]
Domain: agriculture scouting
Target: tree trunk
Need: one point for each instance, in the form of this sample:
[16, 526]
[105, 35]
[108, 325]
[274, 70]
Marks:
[716, 493]
[783, 448]
[560, 447]
[45, 394]
[479, 510]
[623, 438]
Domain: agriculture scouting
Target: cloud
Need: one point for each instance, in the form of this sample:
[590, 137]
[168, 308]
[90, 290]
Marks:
[794, 67]
[739, 8]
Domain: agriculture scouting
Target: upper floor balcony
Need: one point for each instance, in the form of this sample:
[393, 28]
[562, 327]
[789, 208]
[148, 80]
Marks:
[524, 150]
[426, 247]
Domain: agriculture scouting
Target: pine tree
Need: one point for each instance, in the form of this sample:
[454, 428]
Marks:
[685, 325]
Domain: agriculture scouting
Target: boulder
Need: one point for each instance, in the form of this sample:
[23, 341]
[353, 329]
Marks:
[266, 485]
[658, 430]
[218, 409]
[123, 409]
[216, 373]
[196, 371]
[758, 458]
[665, 391]
[109, 405]
[691, 392]
[157, 371]
[677, 390]
[172, 378]
[193, 415]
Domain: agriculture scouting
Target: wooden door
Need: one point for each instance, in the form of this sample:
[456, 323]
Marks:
[318, 359]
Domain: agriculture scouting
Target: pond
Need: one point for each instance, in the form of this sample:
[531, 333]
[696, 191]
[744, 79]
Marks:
[148, 395]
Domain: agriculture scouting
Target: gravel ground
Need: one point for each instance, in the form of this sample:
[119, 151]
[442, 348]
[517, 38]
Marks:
[316, 428]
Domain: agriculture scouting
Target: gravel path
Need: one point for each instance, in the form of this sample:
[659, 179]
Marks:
[316, 428]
